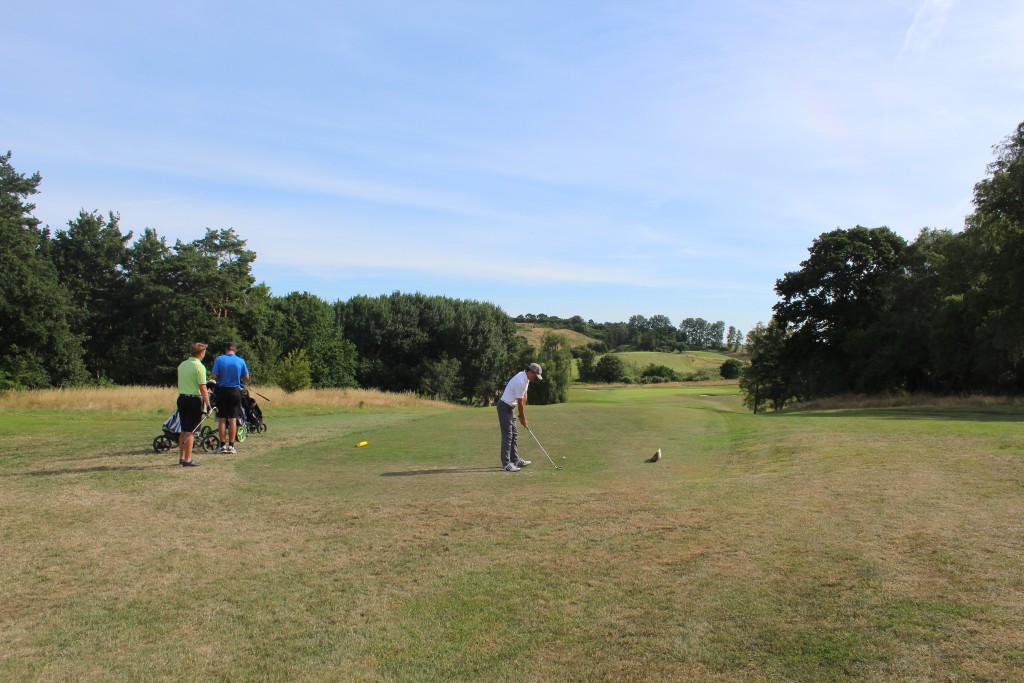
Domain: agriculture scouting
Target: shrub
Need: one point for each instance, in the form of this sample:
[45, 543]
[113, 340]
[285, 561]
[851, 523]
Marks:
[655, 374]
[610, 368]
[730, 369]
[293, 373]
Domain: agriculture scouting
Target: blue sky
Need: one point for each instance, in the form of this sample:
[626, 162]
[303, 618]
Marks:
[595, 158]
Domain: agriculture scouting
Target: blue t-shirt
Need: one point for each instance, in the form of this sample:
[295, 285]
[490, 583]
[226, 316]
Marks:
[230, 369]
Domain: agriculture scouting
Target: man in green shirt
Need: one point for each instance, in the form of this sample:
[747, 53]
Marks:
[193, 401]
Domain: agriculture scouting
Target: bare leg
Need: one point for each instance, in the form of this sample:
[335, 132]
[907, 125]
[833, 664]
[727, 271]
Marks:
[185, 446]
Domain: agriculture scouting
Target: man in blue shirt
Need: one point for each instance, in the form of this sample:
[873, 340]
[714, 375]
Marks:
[230, 371]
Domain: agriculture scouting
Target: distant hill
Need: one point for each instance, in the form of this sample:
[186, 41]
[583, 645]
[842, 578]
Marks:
[534, 334]
[688, 362]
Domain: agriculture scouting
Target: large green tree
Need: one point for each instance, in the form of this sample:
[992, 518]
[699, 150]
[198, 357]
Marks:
[305, 321]
[409, 342]
[766, 382]
[831, 307]
[995, 233]
[91, 258]
[37, 345]
[701, 334]
[154, 339]
[172, 296]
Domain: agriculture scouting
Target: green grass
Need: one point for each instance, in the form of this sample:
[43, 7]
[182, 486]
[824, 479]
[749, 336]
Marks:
[813, 546]
[685, 363]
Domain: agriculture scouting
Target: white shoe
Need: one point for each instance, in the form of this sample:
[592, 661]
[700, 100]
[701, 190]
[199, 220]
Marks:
[522, 463]
[230, 450]
[510, 468]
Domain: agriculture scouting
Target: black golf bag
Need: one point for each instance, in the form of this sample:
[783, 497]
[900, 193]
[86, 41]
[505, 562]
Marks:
[252, 414]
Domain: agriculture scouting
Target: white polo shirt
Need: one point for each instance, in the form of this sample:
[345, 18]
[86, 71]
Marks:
[516, 388]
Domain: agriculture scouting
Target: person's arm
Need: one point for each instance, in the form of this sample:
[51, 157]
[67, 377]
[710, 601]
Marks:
[521, 402]
[201, 378]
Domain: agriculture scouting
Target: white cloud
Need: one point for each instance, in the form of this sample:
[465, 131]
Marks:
[684, 150]
[929, 21]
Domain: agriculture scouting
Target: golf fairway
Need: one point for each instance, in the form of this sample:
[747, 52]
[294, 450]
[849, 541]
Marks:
[815, 546]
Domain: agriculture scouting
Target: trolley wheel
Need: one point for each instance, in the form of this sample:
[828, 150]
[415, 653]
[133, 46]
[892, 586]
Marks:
[209, 443]
[262, 428]
[242, 433]
[160, 444]
[205, 431]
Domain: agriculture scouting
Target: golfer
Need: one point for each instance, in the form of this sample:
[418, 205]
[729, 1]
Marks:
[193, 401]
[230, 371]
[514, 398]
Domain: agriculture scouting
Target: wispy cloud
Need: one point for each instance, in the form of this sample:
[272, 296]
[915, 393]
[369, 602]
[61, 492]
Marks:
[929, 21]
[657, 155]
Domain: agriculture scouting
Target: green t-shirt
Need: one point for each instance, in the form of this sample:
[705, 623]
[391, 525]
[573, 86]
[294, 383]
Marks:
[191, 376]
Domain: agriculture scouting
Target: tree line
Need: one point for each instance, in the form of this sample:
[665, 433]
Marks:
[87, 305]
[869, 312]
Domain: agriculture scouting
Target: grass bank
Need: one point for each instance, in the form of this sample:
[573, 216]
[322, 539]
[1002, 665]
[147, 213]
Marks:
[685, 363]
[813, 546]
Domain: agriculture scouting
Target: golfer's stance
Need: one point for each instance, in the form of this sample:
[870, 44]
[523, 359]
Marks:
[514, 398]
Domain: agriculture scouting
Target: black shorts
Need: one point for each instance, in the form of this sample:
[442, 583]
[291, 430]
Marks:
[190, 412]
[229, 402]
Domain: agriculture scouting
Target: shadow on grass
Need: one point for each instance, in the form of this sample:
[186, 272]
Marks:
[938, 414]
[450, 470]
[115, 454]
[90, 470]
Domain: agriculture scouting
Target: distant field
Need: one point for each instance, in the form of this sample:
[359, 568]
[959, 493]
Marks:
[879, 544]
[534, 335]
[688, 362]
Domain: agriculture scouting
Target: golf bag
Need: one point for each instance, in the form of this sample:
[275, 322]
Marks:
[251, 413]
[172, 433]
[250, 417]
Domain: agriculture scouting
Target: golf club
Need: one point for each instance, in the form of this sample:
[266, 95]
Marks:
[255, 392]
[557, 467]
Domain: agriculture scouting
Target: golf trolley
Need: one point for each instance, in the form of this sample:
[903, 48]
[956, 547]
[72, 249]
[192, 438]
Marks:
[250, 417]
[204, 434]
[250, 421]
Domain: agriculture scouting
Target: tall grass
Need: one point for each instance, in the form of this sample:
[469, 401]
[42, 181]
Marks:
[162, 398]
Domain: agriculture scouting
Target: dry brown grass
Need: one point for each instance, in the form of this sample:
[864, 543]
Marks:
[534, 334]
[352, 398]
[159, 398]
[806, 547]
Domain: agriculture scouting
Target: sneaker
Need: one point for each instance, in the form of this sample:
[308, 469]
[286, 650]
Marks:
[230, 450]
[188, 463]
[221, 449]
[511, 467]
[522, 463]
